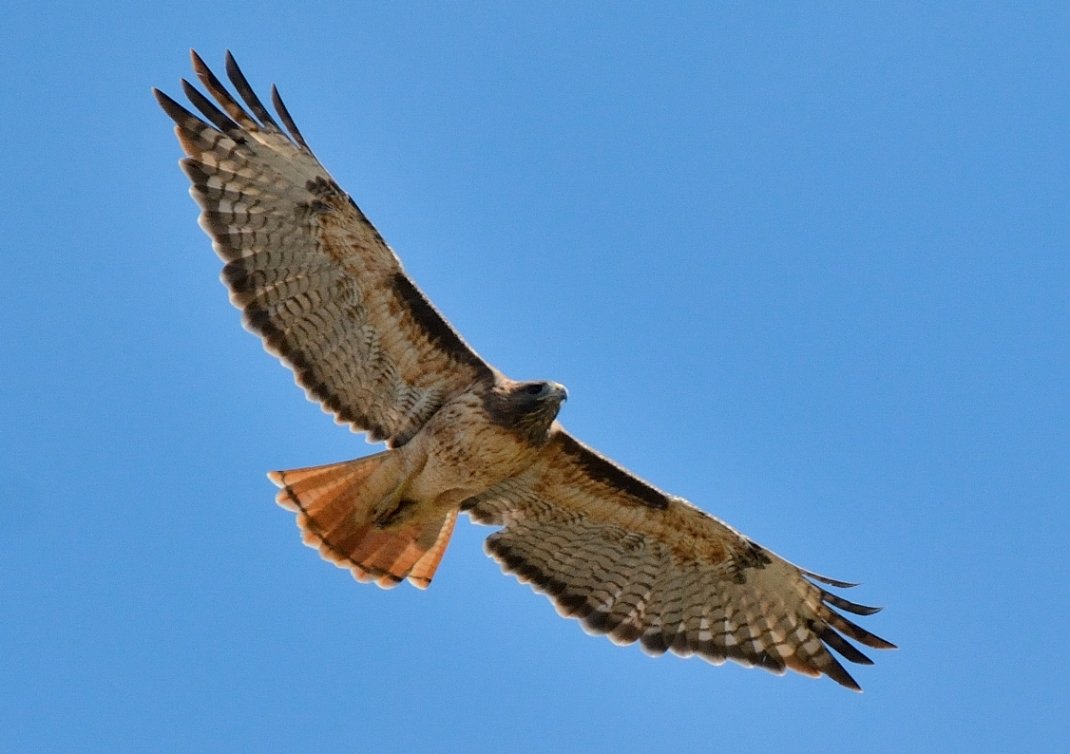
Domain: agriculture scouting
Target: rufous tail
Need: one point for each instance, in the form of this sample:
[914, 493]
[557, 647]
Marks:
[335, 511]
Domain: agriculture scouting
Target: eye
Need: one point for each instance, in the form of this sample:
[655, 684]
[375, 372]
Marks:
[533, 389]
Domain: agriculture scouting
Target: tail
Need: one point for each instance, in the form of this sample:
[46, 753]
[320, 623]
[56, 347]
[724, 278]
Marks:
[336, 512]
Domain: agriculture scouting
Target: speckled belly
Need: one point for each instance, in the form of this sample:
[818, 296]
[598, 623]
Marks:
[463, 454]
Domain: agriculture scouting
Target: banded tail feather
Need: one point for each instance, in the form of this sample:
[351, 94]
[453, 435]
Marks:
[352, 518]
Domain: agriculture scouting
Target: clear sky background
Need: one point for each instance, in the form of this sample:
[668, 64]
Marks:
[807, 266]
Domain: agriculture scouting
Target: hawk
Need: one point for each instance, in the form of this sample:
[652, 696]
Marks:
[328, 296]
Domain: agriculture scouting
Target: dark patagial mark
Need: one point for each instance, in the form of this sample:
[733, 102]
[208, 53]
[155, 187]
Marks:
[435, 328]
[607, 472]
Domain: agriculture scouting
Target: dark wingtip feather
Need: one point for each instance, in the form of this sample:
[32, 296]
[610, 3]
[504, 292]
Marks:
[841, 645]
[856, 632]
[218, 118]
[179, 114]
[878, 643]
[245, 90]
[197, 61]
[164, 101]
[831, 582]
[851, 607]
[836, 672]
[280, 107]
[225, 99]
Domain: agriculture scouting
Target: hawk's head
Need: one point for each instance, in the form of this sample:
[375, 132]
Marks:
[527, 407]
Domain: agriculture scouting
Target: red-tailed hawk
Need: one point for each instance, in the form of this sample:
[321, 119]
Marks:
[329, 297]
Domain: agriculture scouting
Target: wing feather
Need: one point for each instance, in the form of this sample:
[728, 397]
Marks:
[313, 276]
[637, 564]
[241, 84]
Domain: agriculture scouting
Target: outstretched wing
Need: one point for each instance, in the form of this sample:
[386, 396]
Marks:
[629, 561]
[315, 279]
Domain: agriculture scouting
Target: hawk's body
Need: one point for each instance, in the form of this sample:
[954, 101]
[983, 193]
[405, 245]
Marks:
[329, 296]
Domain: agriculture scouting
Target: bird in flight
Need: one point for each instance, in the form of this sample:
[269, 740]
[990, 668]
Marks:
[328, 296]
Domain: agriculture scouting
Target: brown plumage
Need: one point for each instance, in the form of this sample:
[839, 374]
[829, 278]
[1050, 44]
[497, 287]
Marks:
[329, 297]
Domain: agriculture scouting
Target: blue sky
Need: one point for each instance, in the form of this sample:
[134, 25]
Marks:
[807, 267]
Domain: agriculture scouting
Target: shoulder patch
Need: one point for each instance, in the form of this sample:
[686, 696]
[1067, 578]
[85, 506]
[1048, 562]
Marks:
[434, 326]
[602, 469]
